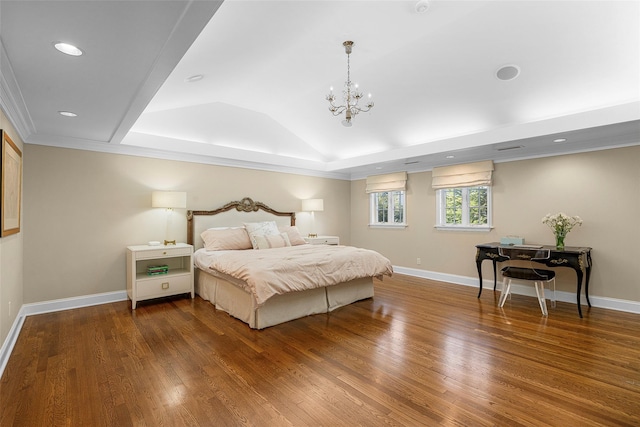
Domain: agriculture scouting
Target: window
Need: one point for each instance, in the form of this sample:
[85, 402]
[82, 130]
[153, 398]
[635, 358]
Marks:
[464, 208]
[388, 208]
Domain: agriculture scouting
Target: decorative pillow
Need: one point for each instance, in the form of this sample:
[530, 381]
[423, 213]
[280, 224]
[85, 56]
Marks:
[219, 239]
[294, 234]
[272, 241]
[265, 228]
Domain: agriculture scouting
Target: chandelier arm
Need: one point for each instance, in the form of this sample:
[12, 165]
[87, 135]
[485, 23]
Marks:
[356, 109]
[337, 110]
[332, 105]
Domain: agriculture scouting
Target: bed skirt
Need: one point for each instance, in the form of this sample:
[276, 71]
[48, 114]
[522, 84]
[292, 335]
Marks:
[281, 308]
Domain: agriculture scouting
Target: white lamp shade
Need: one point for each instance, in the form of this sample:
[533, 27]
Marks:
[169, 199]
[312, 205]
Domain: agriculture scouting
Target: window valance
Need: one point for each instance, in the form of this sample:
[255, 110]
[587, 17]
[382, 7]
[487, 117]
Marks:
[465, 175]
[388, 182]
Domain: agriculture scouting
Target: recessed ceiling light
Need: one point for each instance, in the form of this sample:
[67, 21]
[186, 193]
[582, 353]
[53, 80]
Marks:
[194, 78]
[68, 49]
[68, 113]
[560, 140]
[378, 167]
[450, 157]
[508, 72]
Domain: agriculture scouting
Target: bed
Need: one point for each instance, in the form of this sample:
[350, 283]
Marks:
[232, 279]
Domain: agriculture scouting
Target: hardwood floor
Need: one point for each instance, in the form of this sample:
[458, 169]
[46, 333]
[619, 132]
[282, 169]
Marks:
[418, 353]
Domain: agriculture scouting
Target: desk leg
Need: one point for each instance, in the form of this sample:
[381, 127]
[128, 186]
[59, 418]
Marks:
[586, 286]
[479, 265]
[495, 277]
[579, 274]
[586, 283]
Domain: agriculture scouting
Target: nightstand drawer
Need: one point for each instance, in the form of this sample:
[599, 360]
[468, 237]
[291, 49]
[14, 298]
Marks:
[163, 253]
[323, 240]
[165, 285]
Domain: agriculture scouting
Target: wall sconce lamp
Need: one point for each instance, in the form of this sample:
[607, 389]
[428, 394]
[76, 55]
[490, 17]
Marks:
[313, 205]
[169, 200]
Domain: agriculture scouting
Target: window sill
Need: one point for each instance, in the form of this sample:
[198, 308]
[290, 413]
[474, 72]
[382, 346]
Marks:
[387, 225]
[478, 228]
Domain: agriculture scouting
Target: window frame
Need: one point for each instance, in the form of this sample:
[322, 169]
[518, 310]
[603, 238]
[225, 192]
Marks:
[465, 225]
[373, 205]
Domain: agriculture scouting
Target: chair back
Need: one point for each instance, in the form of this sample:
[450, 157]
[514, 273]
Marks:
[530, 255]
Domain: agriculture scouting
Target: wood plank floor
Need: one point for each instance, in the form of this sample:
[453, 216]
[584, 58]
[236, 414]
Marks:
[418, 353]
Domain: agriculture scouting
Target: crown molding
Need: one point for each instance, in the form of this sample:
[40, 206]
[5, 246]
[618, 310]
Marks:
[11, 99]
[129, 150]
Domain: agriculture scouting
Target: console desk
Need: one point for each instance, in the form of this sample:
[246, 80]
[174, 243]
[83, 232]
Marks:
[577, 258]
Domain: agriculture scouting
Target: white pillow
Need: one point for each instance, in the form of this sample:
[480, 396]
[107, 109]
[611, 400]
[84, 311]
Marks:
[272, 241]
[294, 234]
[264, 228]
[217, 239]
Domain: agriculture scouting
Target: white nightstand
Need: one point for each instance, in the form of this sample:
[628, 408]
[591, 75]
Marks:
[323, 240]
[178, 279]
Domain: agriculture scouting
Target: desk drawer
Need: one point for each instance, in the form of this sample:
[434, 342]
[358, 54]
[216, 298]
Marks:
[160, 286]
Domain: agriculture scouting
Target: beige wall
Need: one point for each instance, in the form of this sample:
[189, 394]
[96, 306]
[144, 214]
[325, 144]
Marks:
[602, 187]
[81, 209]
[11, 275]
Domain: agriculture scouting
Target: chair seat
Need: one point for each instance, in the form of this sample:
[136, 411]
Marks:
[528, 273]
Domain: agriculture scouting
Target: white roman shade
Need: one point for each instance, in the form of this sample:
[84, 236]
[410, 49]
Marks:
[389, 182]
[466, 175]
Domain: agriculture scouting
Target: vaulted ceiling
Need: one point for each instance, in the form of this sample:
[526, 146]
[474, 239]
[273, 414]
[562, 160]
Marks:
[263, 68]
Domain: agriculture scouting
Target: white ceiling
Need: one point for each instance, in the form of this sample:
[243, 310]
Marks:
[267, 67]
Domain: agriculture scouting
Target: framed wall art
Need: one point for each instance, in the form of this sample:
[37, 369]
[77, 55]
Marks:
[11, 186]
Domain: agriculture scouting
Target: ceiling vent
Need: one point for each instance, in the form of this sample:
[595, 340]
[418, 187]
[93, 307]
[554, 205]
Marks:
[515, 147]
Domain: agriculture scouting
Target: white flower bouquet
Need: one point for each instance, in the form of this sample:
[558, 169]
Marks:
[561, 224]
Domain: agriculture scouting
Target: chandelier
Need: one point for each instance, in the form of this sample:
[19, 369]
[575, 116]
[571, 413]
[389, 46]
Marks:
[350, 94]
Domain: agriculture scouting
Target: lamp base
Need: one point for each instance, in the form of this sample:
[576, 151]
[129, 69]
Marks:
[169, 242]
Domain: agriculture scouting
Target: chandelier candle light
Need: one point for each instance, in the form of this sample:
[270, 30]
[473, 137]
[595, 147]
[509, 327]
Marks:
[350, 95]
[561, 224]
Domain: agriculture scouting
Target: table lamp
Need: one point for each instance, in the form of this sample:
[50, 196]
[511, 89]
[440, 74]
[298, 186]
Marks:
[313, 205]
[169, 200]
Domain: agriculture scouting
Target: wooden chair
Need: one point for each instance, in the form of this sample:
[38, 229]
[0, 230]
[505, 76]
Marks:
[539, 277]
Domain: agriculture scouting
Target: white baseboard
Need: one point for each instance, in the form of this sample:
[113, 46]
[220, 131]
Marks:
[563, 296]
[48, 307]
[10, 341]
[73, 302]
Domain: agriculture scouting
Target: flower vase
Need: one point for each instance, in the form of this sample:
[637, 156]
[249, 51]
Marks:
[560, 241]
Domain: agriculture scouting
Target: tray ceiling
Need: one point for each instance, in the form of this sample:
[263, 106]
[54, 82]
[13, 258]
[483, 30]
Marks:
[266, 68]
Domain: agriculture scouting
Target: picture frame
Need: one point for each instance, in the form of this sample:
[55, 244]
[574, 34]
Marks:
[10, 186]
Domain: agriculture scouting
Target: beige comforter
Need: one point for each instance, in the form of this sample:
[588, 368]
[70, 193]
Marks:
[270, 272]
